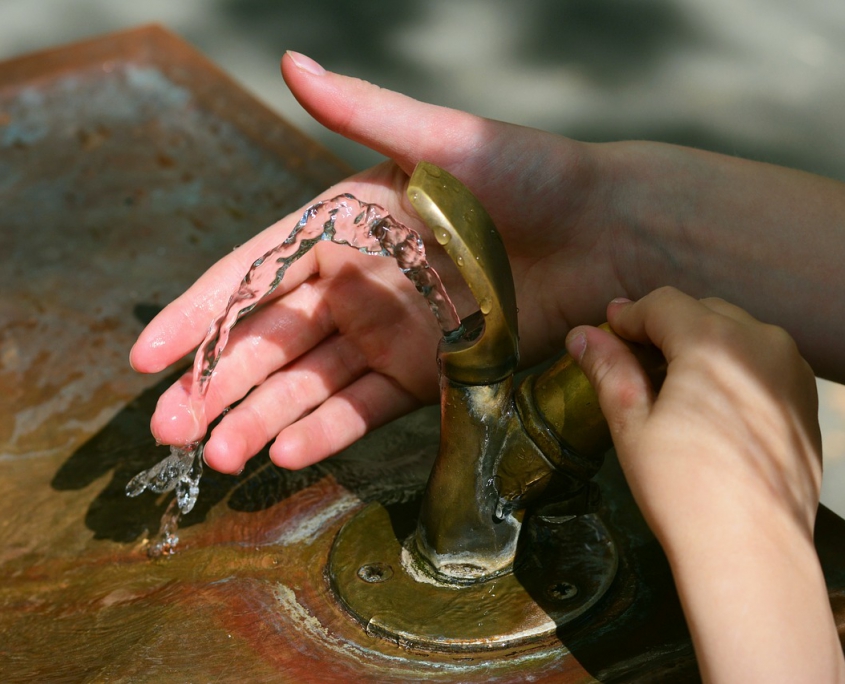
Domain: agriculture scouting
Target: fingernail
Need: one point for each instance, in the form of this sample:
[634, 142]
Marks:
[576, 345]
[306, 63]
[621, 300]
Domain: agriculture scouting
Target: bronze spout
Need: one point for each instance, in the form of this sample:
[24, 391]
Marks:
[500, 451]
[504, 456]
[458, 534]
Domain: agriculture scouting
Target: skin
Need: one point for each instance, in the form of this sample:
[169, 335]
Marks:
[732, 439]
[582, 224]
[725, 462]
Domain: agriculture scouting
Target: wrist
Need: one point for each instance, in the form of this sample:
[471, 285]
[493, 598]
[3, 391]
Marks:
[653, 192]
[756, 603]
[714, 225]
[681, 490]
[751, 587]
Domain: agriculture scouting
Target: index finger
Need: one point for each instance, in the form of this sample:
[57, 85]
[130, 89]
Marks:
[664, 318]
[183, 323]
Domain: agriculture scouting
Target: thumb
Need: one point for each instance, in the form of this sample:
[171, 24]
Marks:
[623, 387]
[392, 124]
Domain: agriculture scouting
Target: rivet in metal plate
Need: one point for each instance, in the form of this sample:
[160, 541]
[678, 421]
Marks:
[375, 572]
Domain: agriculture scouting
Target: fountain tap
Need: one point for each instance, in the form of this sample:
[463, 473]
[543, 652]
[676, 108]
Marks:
[512, 456]
[500, 450]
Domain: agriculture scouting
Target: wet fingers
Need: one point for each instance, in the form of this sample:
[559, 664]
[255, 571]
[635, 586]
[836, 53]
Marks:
[260, 344]
[369, 402]
[282, 399]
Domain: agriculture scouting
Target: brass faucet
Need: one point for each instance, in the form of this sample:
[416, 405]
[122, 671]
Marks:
[509, 458]
[500, 450]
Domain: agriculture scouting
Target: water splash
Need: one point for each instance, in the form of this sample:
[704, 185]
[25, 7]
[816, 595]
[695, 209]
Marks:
[181, 470]
[344, 220]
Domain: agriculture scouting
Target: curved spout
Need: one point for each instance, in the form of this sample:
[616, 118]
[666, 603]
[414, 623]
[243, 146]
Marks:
[500, 450]
[489, 352]
[459, 534]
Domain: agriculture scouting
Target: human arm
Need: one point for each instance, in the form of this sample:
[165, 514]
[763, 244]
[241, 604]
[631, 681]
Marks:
[725, 464]
[582, 224]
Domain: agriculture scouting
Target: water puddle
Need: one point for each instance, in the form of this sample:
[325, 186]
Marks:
[343, 220]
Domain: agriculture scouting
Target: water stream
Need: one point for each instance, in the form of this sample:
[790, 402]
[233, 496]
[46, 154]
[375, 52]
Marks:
[343, 220]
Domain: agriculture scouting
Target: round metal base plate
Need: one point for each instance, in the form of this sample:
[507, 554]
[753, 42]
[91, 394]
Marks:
[565, 569]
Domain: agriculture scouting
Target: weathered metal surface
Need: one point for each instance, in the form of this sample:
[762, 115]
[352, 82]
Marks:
[490, 466]
[563, 571]
[127, 166]
[467, 233]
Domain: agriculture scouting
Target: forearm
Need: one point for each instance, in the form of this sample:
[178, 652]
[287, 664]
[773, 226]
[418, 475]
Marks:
[753, 593]
[767, 238]
[737, 532]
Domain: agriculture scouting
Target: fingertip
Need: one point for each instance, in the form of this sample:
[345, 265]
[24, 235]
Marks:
[135, 361]
[225, 454]
[176, 429]
[148, 354]
[140, 363]
[619, 381]
[303, 444]
[303, 63]
[331, 101]
[584, 337]
[138, 357]
[289, 452]
[618, 302]
[175, 420]
[616, 307]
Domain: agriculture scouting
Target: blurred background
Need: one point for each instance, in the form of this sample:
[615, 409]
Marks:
[763, 79]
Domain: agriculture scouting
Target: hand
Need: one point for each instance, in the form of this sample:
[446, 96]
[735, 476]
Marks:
[347, 344]
[725, 463]
[582, 224]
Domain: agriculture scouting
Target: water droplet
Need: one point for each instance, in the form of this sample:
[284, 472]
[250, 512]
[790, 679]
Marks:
[415, 195]
[485, 305]
[442, 235]
[434, 172]
[460, 261]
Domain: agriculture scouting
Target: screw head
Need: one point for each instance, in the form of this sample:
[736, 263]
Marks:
[561, 591]
[375, 572]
